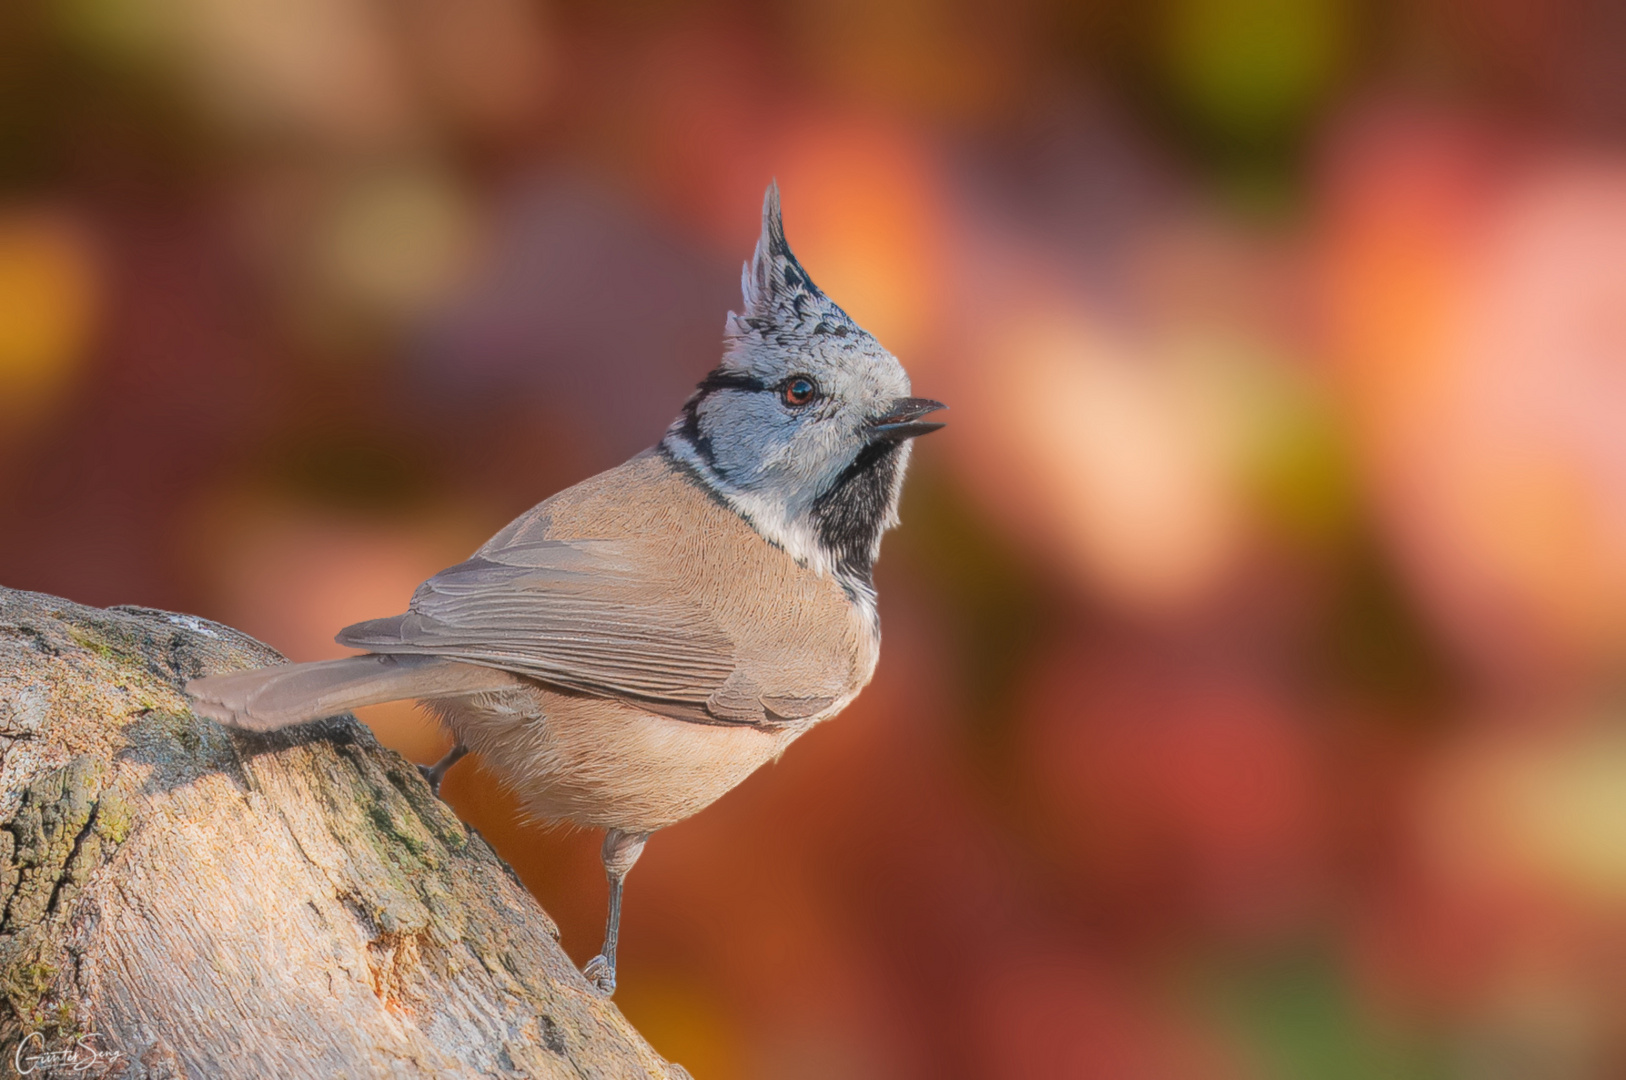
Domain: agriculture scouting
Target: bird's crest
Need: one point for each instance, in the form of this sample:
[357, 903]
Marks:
[779, 296]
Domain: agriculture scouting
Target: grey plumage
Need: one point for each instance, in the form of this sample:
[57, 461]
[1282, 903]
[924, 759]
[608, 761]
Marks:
[572, 613]
[293, 693]
[631, 648]
[773, 466]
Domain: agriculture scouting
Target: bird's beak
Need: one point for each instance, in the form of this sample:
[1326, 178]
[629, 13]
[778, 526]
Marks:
[903, 419]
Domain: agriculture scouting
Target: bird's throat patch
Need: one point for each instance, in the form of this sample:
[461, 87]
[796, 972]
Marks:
[850, 517]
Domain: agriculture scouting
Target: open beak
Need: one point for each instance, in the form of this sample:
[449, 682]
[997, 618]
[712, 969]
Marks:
[903, 419]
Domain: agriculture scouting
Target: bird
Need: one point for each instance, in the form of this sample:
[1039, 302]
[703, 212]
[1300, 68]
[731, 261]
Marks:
[633, 647]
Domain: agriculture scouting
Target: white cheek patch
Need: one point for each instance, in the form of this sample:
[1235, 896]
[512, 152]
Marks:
[793, 534]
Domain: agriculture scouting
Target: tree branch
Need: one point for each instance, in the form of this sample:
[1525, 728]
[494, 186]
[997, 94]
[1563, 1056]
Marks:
[211, 903]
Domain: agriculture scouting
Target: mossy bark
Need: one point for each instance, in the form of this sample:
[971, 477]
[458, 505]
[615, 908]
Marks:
[193, 901]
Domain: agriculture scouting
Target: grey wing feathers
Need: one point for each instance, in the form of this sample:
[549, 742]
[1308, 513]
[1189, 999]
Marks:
[274, 697]
[576, 613]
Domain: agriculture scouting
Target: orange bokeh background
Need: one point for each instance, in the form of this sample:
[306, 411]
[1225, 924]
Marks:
[1250, 703]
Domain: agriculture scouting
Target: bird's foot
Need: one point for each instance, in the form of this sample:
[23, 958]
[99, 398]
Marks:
[601, 973]
[437, 772]
[428, 773]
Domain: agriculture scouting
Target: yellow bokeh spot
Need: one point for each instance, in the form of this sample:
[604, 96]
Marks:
[1542, 811]
[1251, 68]
[47, 312]
[1569, 811]
[395, 242]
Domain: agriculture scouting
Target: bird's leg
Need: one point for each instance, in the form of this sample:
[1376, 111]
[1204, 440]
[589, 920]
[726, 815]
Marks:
[437, 772]
[621, 849]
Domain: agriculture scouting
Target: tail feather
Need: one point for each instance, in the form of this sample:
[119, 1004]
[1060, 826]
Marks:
[275, 697]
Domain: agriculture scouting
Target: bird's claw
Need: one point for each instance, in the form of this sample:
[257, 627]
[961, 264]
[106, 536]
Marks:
[428, 773]
[601, 974]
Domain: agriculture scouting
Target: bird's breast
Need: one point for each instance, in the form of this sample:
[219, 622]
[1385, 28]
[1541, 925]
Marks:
[604, 763]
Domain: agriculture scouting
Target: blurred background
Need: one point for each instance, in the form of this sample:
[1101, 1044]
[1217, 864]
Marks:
[1251, 703]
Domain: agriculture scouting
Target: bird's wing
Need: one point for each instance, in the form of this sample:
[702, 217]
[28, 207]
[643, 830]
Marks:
[589, 615]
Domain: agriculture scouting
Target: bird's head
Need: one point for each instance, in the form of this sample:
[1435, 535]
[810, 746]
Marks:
[804, 426]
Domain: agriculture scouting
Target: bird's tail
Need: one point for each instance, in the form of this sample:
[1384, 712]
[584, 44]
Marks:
[275, 697]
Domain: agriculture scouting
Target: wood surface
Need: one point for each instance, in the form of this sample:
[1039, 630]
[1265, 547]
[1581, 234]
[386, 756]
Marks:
[192, 901]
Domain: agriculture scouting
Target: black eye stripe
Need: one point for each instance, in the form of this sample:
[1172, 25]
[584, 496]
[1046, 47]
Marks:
[726, 380]
[806, 387]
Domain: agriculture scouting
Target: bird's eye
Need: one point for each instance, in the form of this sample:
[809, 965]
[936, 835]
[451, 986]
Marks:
[798, 390]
